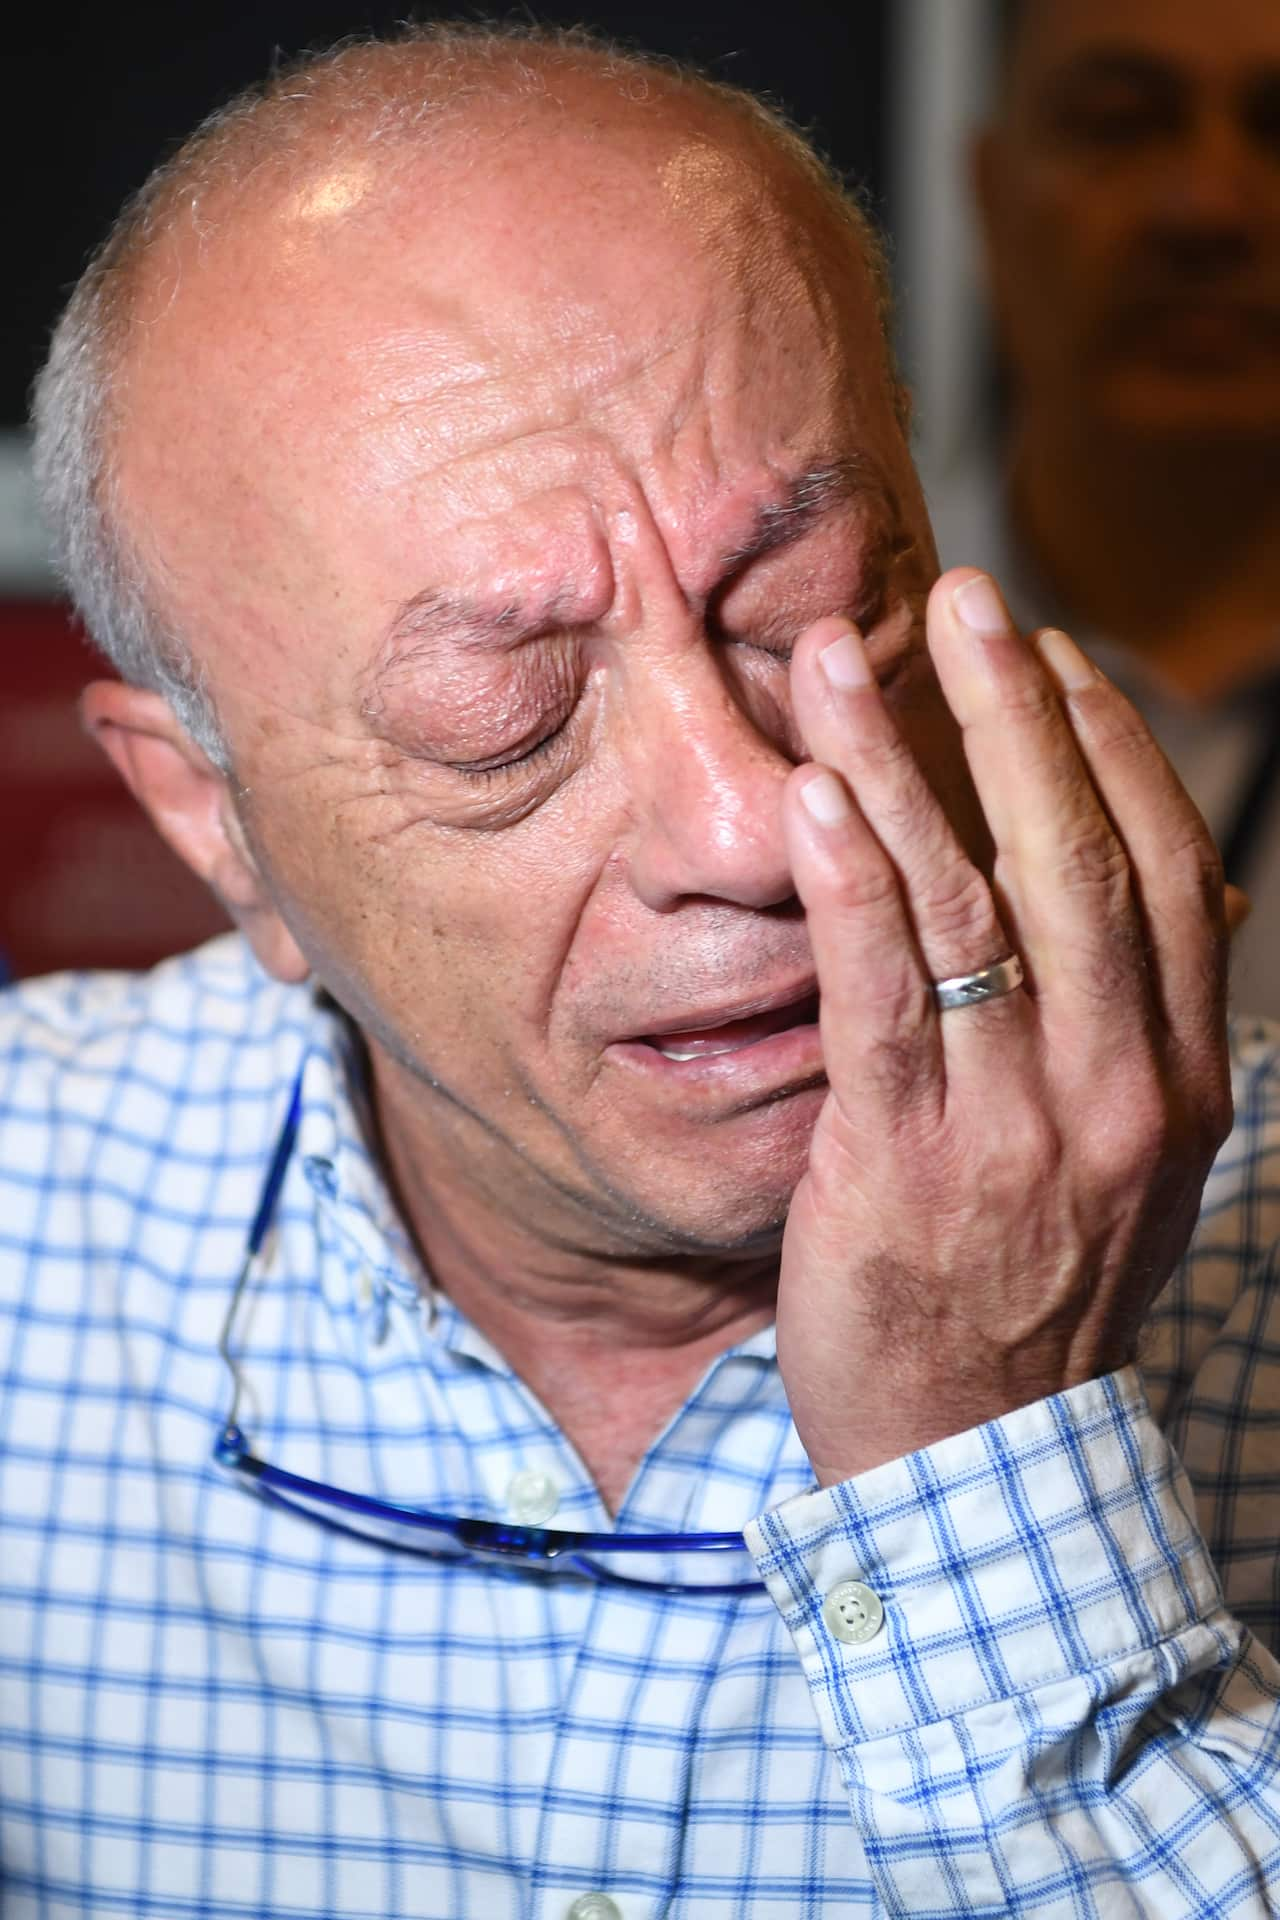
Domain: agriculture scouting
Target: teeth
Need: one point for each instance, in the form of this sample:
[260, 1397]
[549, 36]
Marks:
[704, 1053]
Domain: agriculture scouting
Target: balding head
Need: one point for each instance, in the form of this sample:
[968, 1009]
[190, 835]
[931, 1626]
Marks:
[320, 147]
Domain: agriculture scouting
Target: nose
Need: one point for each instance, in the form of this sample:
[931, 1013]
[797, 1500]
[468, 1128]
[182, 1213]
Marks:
[1207, 194]
[705, 783]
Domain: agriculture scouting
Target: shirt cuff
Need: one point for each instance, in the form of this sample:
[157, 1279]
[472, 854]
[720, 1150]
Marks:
[1034, 1548]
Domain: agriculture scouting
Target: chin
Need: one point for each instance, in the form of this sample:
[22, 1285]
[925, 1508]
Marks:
[726, 1188]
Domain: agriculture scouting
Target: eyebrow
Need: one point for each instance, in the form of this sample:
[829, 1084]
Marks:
[1117, 65]
[1148, 72]
[438, 613]
[806, 499]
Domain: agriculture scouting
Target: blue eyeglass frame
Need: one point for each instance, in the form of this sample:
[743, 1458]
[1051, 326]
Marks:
[502, 1543]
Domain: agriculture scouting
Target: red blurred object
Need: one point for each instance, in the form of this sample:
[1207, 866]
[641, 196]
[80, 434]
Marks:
[85, 880]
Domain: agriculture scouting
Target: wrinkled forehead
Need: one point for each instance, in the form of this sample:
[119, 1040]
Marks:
[540, 275]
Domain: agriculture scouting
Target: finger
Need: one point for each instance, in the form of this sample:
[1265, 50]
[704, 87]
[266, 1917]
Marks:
[847, 724]
[1177, 873]
[1061, 867]
[879, 1027]
[1237, 906]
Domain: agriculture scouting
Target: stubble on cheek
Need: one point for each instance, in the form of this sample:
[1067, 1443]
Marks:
[426, 935]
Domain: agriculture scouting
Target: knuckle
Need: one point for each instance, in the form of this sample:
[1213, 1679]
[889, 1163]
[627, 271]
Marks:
[1195, 864]
[1115, 725]
[1091, 859]
[1028, 1149]
[1026, 696]
[1130, 1162]
[955, 907]
[885, 752]
[1146, 1128]
[1106, 974]
[865, 884]
[1151, 1133]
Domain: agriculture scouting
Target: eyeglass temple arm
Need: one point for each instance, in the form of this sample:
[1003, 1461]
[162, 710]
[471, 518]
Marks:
[259, 1230]
[506, 1537]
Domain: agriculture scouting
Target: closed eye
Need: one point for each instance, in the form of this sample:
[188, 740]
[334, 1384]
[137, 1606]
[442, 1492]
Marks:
[775, 637]
[491, 770]
[544, 687]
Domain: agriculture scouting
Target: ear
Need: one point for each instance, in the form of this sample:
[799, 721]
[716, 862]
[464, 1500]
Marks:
[191, 803]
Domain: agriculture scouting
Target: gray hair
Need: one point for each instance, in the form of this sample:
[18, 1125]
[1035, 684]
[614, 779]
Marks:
[380, 91]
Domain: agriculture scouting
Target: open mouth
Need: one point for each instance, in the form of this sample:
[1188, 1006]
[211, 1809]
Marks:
[732, 1036]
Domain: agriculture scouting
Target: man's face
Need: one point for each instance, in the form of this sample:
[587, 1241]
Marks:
[1131, 196]
[497, 529]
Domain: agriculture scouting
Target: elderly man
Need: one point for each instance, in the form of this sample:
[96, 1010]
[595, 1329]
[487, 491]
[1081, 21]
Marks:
[1129, 185]
[482, 457]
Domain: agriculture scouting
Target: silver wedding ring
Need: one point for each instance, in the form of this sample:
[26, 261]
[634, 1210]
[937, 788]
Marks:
[975, 989]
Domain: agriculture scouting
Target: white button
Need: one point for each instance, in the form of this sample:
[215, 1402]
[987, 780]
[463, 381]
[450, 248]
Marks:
[853, 1613]
[532, 1498]
[594, 1906]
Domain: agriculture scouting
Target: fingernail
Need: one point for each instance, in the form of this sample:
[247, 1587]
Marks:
[845, 662]
[981, 607]
[825, 800]
[1068, 666]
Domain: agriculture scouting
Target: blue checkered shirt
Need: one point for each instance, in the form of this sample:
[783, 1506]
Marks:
[210, 1707]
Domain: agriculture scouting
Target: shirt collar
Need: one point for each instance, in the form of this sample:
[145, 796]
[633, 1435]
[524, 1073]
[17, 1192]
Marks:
[339, 1162]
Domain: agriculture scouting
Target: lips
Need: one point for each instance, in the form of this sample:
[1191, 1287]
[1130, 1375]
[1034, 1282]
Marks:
[733, 1035]
[1200, 324]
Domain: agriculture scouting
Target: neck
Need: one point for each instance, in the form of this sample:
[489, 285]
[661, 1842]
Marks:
[1171, 549]
[611, 1339]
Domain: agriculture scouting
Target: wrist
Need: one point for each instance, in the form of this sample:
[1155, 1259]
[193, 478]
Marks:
[907, 1418]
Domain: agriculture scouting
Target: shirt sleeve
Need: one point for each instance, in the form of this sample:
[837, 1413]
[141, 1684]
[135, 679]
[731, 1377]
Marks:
[1055, 1715]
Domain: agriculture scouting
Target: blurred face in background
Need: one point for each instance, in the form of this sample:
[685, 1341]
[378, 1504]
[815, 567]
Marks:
[1130, 195]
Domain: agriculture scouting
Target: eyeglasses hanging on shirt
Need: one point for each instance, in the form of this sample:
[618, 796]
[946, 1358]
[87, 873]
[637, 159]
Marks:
[695, 1563]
